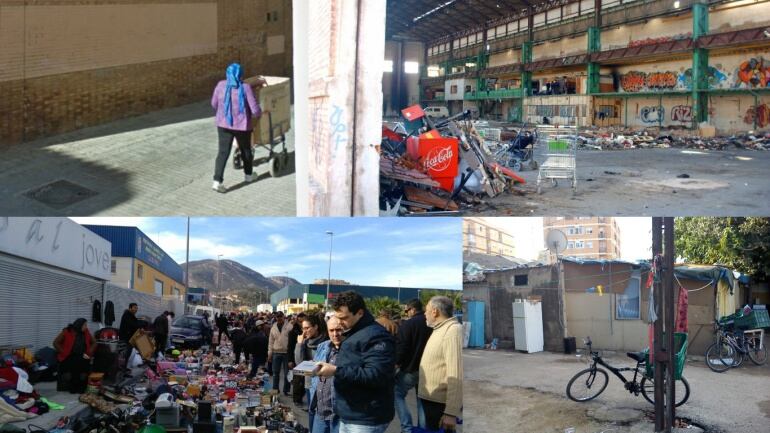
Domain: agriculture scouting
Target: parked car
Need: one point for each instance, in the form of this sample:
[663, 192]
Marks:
[190, 331]
[437, 112]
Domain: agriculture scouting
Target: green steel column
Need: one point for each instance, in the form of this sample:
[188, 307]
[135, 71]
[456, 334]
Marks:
[526, 77]
[594, 46]
[700, 64]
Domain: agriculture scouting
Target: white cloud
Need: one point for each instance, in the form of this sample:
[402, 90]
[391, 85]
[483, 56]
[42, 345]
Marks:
[355, 232]
[279, 269]
[280, 243]
[201, 248]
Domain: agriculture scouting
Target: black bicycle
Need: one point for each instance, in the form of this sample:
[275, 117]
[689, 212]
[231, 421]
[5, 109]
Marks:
[589, 383]
[732, 347]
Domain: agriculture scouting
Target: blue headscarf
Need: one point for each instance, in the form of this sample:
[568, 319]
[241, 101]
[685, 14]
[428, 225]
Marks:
[234, 82]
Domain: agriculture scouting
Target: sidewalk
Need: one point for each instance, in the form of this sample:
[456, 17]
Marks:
[157, 164]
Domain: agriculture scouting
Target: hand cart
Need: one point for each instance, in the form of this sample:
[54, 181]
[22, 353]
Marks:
[560, 147]
[278, 161]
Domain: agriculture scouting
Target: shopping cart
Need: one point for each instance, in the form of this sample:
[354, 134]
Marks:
[560, 145]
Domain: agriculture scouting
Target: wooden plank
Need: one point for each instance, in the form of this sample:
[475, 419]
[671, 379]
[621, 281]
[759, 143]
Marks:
[418, 195]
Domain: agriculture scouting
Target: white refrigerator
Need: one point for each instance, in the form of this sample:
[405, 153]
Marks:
[528, 326]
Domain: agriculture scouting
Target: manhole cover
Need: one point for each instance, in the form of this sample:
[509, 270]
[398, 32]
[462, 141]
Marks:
[60, 194]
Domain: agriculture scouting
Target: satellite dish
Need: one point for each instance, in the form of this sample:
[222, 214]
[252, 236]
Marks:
[556, 241]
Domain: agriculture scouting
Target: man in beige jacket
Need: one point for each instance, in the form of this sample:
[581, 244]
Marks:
[277, 351]
[440, 387]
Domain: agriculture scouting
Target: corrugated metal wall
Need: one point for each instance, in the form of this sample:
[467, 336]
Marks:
[149, 305]
[37, 302]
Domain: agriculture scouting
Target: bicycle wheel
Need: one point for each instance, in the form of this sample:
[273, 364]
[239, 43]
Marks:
[719, 357]
[681, 390]
[587, 384]
[757, 354]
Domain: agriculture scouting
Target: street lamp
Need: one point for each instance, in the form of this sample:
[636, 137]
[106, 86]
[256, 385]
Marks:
[329, 275]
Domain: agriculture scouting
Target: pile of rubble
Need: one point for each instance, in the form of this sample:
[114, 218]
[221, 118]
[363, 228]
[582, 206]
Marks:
[438, 168]
[626, 138]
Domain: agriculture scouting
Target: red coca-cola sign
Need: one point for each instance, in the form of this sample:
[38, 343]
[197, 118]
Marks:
[439, 157]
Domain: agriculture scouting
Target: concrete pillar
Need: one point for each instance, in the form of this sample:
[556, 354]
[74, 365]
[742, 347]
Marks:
[700, 64]
[594, 46]
[340, 115]
[301, 126]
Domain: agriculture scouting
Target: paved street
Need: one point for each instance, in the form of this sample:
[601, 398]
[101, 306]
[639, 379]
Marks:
[157, 164]
[516, 392]
[642, 182]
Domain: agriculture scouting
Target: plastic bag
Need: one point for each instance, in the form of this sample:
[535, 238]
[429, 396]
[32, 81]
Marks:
[135, 360]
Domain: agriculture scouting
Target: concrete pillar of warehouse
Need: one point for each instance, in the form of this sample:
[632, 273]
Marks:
[700, 64]
[526, 77]
[594, 46]
[339, 47]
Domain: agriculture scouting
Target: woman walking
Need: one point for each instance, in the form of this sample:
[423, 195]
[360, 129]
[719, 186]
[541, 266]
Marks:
[235, 105]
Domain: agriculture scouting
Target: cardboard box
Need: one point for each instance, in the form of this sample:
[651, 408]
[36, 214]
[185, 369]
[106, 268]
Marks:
[275, 99]
[143, 344]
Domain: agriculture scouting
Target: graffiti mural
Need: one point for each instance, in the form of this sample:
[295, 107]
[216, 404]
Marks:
[715, 77]
[753, 73]
[760, 114]
[636, 81]
[661, 80]
[681, 113]
[652, 114]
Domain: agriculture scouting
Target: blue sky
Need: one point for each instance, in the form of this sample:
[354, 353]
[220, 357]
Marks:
[420, 252]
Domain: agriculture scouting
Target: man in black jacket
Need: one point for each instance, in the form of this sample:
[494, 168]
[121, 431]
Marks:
[128, 326]
[222, 324]
[297, 381]
[413, 334]
[364, 374]
[256, 346]
[160, 332]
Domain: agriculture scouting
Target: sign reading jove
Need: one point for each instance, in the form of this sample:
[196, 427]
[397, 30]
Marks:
[57, 242]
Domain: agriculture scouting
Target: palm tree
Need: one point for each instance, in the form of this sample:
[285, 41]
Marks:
[384, 304]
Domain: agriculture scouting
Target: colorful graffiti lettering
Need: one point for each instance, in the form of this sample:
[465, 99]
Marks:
[681, 113]
[758, 113]
[660, 40]
[715, 78]
[661, 80]
[753, 73]
[633, 81]
[652, 114]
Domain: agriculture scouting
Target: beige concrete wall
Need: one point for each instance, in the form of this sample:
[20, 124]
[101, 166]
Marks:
[505, 58]
[71, 38]
[589, 314]
[654, 28]
[728, 17]
[123, 272]
[560, 48]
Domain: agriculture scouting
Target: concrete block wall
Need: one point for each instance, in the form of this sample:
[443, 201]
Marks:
[100, 68]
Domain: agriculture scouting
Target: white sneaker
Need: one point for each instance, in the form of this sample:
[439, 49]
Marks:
[218, 187]
[248, 178]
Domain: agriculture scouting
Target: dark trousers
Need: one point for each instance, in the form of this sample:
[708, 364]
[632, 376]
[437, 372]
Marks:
[160, 343]
[433, 413]
[226, 137]
[238, 350]
[74, 372]
[297, 388]
[281, 362]
[255, 364]
[222, 331]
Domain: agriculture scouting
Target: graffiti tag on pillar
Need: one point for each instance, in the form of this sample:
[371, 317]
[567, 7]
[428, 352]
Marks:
[652, 114]
[338, 126]
[681, 113]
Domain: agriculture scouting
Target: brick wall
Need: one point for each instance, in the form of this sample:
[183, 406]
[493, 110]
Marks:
[35, 105]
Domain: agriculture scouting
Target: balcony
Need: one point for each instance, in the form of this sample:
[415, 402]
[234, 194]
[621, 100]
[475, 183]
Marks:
[493, 94]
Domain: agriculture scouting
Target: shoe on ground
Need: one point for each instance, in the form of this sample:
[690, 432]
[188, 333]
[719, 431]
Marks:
[248, 178]
[218, 187]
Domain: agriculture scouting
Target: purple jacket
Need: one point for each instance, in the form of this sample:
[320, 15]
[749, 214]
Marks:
[241, 121]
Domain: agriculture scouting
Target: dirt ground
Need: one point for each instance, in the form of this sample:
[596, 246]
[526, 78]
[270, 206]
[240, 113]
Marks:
[515, 392]
[641, 182]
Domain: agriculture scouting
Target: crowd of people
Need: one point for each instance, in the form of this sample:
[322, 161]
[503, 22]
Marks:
[364, 367]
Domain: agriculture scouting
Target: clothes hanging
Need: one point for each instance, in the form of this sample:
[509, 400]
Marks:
[681, 311]
[96, 311]
[109, 313]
